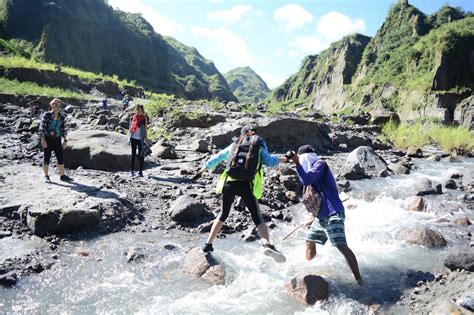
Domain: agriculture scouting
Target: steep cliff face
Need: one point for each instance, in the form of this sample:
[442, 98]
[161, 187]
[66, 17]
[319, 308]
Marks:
[90, 35]
[416, 65]
[322, 77]
[247, 85]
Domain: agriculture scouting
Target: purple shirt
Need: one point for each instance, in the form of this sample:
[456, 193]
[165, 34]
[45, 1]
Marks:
[322, 179]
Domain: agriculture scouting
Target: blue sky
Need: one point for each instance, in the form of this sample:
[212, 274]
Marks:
[271, 36]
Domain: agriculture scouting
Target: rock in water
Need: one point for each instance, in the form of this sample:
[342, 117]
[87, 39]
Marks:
[308, 289]
[99, 150]
[463, 259]
[185, 208]
[423, 236]
[204, 266]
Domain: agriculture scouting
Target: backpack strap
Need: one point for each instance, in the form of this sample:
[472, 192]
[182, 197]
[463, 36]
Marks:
[236, 150]
[249, 154]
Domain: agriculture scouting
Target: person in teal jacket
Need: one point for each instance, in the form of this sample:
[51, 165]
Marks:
[249, 189]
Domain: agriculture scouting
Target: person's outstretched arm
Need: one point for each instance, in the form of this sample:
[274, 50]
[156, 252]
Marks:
[268, 159]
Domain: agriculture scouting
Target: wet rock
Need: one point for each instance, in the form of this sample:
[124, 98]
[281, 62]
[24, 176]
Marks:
[414, 277]
[462, 221]
[99, 150]
[467, 301]
[450, 184]
[135, 253]
[5, 234]
[186, 208]
[44, 221]
[204, 266]
[423, 236]
[418, 204]
[169, 247]
[200, 146]
[414, 152]
[434, 157]
[462, 259]
[398, 168]
[250, 235]
[363, 162]
[468, 179]
[164, 151]
[308, 289]
[427, 187]
[9, 279]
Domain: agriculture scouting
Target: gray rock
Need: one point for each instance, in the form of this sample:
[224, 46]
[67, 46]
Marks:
[467, 301]
[135, 253]
[414, 277]
[5, 234]
[163, 151]
[427, 187]
[434, 157]
[381, 116]
[414, 152]
[101, 120]
[463, 259]
[308, 289]
[54, 221]
[423, 236]
[363, 162]
[9, 279]
[185, 208]
[398, 168]
[290, 182]
[450, 184]
[286, 170]
[205, 266]
[464, 113]
[418, 204]
[468, 179]
[99, 150]
[200, 146]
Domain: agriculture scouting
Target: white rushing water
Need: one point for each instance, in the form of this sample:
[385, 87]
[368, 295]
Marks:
[105, 283]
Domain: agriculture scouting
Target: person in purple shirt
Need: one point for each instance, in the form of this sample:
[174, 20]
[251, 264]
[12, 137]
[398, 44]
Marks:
[312, 170]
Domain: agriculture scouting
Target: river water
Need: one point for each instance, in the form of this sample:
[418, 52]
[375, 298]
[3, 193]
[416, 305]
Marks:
[105, 283]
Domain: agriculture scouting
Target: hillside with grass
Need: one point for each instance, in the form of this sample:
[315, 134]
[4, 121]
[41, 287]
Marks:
[416, 65]
[247, 85]
[91, 36]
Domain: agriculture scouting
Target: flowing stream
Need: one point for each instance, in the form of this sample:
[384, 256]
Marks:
[105, 283]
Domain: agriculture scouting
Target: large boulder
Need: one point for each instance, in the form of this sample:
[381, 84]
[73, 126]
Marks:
[423, 236]
[204, 266]
[99, 150]
[463, 259]
[464, 113]
[57, 221]
[427, 187]
[185, 208]
[308, 289]
[163, 151]
[363, 162]
[398, 168]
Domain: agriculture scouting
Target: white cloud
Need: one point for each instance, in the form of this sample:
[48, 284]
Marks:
[306, 45]
[271, 80]
[161, 24]
[227, 43]
[231, 16]
[335, 25]
[216, 1]
[292, 16]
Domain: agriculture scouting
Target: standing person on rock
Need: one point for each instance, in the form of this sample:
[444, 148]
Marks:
[243, 177]
[314, 171]
[137, 135]
[52, 131]
[35, 107]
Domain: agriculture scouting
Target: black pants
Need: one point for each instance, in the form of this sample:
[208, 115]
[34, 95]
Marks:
[244, 190]
[137, 144]
[56, 146]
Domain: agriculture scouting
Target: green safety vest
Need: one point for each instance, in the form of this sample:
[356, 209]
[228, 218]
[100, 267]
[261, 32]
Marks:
[257, 181]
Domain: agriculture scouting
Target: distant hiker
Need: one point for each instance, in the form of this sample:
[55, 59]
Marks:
[243, 177]
[35, 107]
[313, 171]
[52, 130]
[137, 134]
[125, 103]
[104, 103]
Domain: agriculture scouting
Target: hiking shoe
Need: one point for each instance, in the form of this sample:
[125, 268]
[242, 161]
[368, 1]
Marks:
[207, 248]
[131, 174]
[47, 180]
[140, 174]
[65, 178]
[271, 251]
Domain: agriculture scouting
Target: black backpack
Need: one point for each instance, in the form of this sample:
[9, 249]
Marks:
[244, 159]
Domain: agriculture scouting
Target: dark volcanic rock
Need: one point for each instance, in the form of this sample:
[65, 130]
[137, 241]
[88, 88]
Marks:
[308, 289]
[463, 259]
[186, 208]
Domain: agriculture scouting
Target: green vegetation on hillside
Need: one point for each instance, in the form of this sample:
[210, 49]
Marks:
[247, 85]
[418, 134]
[29, 88]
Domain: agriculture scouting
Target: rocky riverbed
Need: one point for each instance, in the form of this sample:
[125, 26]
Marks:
[41, 224]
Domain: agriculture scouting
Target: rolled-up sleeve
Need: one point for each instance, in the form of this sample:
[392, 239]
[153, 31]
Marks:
[218, 158]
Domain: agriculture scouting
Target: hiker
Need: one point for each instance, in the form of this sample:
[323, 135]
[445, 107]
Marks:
[137, 135]
[104, 103]
[52, 130]
[125, 102]
[314, 171]
[243, 177]
[35, 107]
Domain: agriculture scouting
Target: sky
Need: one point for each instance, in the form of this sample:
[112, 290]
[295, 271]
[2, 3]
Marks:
[270, 36]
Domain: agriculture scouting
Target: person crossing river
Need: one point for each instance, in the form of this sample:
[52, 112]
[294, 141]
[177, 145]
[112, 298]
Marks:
[243, 177]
